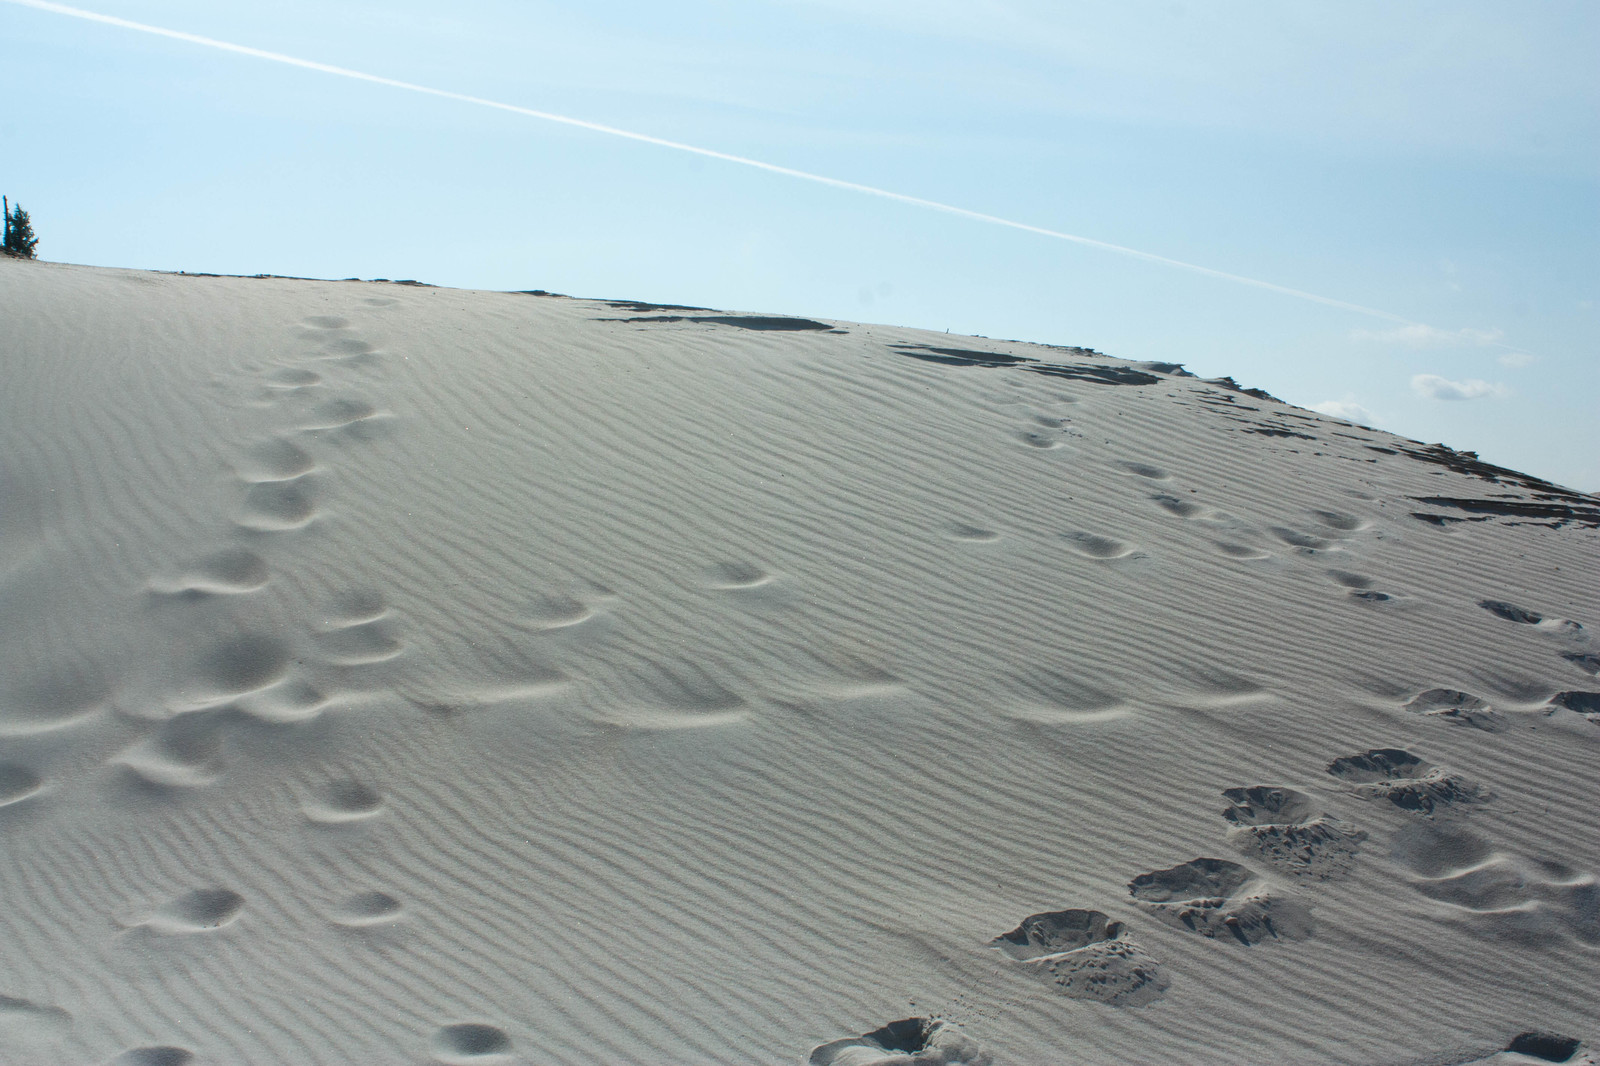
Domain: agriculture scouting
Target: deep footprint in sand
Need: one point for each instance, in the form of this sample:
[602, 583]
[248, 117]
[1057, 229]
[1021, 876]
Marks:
[342, 802]
[18, 783]
[1522, 616]
[1406, 780]
[275, 459]
[1458, 708]
[279, 506]
[202, 910]
[909, 1042]
[367, 909]
[1085, 955]
[470, 1043]
[160, 1055]
[1284, 828]
[1154, 473]
[1589, 664]
[1093, 546]
[230, 572]
[1220, 899]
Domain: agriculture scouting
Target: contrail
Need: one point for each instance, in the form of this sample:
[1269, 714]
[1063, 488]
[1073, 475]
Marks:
[709, 153]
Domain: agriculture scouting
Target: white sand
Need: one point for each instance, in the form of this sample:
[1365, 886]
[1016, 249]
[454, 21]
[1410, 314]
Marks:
[394, 674]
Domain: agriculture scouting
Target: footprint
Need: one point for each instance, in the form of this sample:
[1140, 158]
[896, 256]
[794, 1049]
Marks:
[48, 702]
[1548, 1047]
[1085, 956]
[366, 909]
[1216, 897]
[17, 783]
[1035, 439]
[557, 612]
[1154, 473]
[279, 506]
[164, 1055]
[909, 1042]
[342, 802]
[230, 572]
[1584, 703]
[964, 531]
[1589, 664]
[1176, 505]
[470, 1042]
[338, 414]
[1349, 580]
[185, 752]
[1343, 523]
[1092, 546]
[348, 346]
[229, 669]
[274, 460]
[293, 377]
[1305, 542]
[327, 322]
[1459, 708]
[1405, 780]
[729, 577]
[202, 910]
[1241, 551]
[1511, 613]
[31, 1024]
[1283, 828]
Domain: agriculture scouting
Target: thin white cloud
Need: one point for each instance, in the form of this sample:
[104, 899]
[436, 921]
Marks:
[1417, 335]
[1516, 359]
[1434, 387]
[1345, 409]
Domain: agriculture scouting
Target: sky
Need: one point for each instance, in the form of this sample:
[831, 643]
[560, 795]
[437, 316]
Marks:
[1435, 162]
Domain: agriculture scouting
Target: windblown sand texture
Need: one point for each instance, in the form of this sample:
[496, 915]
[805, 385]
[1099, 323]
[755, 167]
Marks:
[393, 674]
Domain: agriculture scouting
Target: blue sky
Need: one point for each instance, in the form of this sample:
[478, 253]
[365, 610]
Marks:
[1437, 161]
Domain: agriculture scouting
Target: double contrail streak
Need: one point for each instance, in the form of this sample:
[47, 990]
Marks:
[565, 120]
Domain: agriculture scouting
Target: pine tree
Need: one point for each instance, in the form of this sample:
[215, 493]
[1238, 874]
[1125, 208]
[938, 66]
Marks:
[20, 241]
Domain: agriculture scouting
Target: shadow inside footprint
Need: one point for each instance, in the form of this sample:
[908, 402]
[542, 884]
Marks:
[1458, 708]
[1085, 955]
[1219, 898]
[1096, 547]
[1547, 1046]
[1284, 828]
[199, 911]
[908, 1042]
[470, 1042]
[1511, 612]
[1405, 780]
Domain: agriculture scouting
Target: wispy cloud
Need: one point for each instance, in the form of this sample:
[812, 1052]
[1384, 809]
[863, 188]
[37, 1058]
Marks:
[1345, 409]
[1418, 335]
[1516, 359]
[1434, 387]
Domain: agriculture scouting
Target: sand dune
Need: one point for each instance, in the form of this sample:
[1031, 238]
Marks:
[399, 674]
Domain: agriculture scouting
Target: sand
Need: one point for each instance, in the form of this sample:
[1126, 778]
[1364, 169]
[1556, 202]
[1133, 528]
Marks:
[396, 674]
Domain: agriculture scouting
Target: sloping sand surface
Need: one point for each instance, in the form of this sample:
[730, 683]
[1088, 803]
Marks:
[394, 674]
